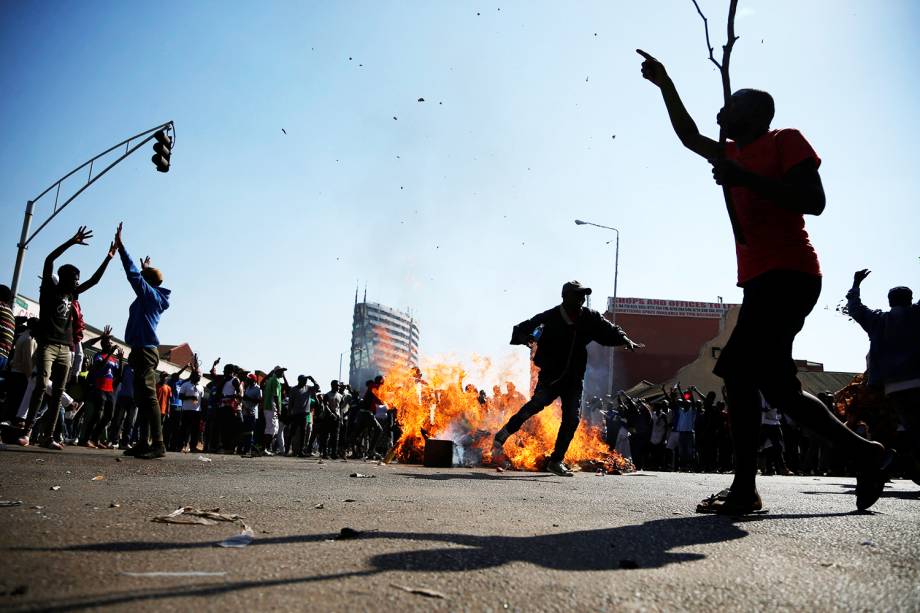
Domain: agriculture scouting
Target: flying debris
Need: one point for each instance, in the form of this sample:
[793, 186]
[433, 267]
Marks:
[283, 130]
[421, 99]
[394, 118]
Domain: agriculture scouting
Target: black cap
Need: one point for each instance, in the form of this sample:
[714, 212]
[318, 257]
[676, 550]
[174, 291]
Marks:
[575, 287]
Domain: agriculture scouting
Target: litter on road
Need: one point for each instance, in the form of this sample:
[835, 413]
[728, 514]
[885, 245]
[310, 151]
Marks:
[362, 476]
[190, 515]
[10, 503]
[239, 541]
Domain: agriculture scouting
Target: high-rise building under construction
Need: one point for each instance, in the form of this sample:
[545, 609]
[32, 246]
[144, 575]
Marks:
[381, 337]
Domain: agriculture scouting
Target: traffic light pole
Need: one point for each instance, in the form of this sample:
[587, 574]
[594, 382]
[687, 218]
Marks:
[26, 238]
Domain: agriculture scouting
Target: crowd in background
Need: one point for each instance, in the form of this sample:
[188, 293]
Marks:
[231, 411]
[688, 431]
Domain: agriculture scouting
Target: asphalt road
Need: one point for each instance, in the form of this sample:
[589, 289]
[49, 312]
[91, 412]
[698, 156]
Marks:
[481, 540]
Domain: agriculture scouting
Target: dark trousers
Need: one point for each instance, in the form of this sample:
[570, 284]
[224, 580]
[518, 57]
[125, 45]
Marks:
[775, 462]
[366, 426]
[907, 405]
[228, 425]
[328, 436]
[104, 404]
[191, 429]
[544, 394]
[758, 360]
[300, 432]
[123, 422]
[248, 432]
[144, 361]
[16, 384]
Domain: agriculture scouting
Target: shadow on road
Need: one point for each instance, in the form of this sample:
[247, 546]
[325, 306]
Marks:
[647, 545]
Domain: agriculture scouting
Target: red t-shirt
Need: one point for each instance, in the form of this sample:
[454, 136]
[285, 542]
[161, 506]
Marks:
[775, 237]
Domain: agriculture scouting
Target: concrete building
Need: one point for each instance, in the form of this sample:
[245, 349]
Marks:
[673, 332]
[683, 341]
[381, 337]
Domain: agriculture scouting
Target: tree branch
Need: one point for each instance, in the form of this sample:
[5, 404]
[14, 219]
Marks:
[708, 44]
[726, 96]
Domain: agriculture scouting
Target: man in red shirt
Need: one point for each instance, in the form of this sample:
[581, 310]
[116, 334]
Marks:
[774, 181]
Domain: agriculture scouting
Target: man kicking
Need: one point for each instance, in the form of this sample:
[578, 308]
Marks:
[774, 181]
[562, 356]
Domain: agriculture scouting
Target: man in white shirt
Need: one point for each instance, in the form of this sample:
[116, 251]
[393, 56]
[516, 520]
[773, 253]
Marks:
[191, 392]
[329, 422]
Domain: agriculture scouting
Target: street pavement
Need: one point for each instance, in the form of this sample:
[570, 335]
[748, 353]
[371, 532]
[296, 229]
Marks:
[467, 539]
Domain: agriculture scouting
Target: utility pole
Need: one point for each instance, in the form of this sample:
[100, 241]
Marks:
[616, 271]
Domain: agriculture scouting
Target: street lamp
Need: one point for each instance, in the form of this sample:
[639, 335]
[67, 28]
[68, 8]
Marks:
[616, 269]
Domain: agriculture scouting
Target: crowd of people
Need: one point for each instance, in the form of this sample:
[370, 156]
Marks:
[688, 431]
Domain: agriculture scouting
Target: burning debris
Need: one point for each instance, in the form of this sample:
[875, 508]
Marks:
[447, 422]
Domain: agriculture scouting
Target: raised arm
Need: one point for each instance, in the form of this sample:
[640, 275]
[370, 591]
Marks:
[683, 124]
[80, 238]
[97, 276]
[140, 286]
[860, 313]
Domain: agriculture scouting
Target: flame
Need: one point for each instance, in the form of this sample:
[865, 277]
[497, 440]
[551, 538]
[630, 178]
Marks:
[444, 405]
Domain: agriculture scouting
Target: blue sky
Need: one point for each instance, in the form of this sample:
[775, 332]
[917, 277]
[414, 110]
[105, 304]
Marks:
[461, 208]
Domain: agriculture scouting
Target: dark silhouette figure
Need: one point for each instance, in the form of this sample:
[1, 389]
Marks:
[774, 181]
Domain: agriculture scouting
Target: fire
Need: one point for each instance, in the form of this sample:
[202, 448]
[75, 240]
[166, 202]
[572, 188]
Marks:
[442, 405]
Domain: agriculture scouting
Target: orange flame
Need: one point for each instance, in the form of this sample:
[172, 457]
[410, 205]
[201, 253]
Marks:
[444, 405]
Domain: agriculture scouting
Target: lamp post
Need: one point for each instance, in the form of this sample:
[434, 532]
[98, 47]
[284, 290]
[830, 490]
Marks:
[616, 269]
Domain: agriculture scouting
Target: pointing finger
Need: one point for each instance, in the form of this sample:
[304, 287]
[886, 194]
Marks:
[646, 55]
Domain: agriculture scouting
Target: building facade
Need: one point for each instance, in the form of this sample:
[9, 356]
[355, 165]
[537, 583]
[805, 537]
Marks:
[674, 332]
[381, 338]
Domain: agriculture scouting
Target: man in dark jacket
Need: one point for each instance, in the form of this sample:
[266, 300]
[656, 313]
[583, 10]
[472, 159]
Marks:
[561, 355]
[894, 357]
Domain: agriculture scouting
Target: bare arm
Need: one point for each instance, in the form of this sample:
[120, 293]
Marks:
[97, 276]
[683, 124]
[80, 238]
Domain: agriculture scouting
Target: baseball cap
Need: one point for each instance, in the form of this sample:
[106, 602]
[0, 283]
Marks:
[575, 287]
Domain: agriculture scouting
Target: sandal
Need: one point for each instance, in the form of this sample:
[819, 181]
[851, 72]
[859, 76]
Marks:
[724, 503]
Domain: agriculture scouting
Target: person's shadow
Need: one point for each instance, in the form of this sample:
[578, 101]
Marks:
[647, 545]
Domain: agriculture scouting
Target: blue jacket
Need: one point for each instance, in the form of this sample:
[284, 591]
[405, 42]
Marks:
[894, 340]
[144, 312]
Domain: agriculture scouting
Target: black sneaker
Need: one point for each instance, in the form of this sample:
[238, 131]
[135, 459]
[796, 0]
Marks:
[154, 452]
[870, 482]
[558, 468]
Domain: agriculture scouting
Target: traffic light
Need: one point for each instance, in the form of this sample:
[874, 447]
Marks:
[162, 149]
